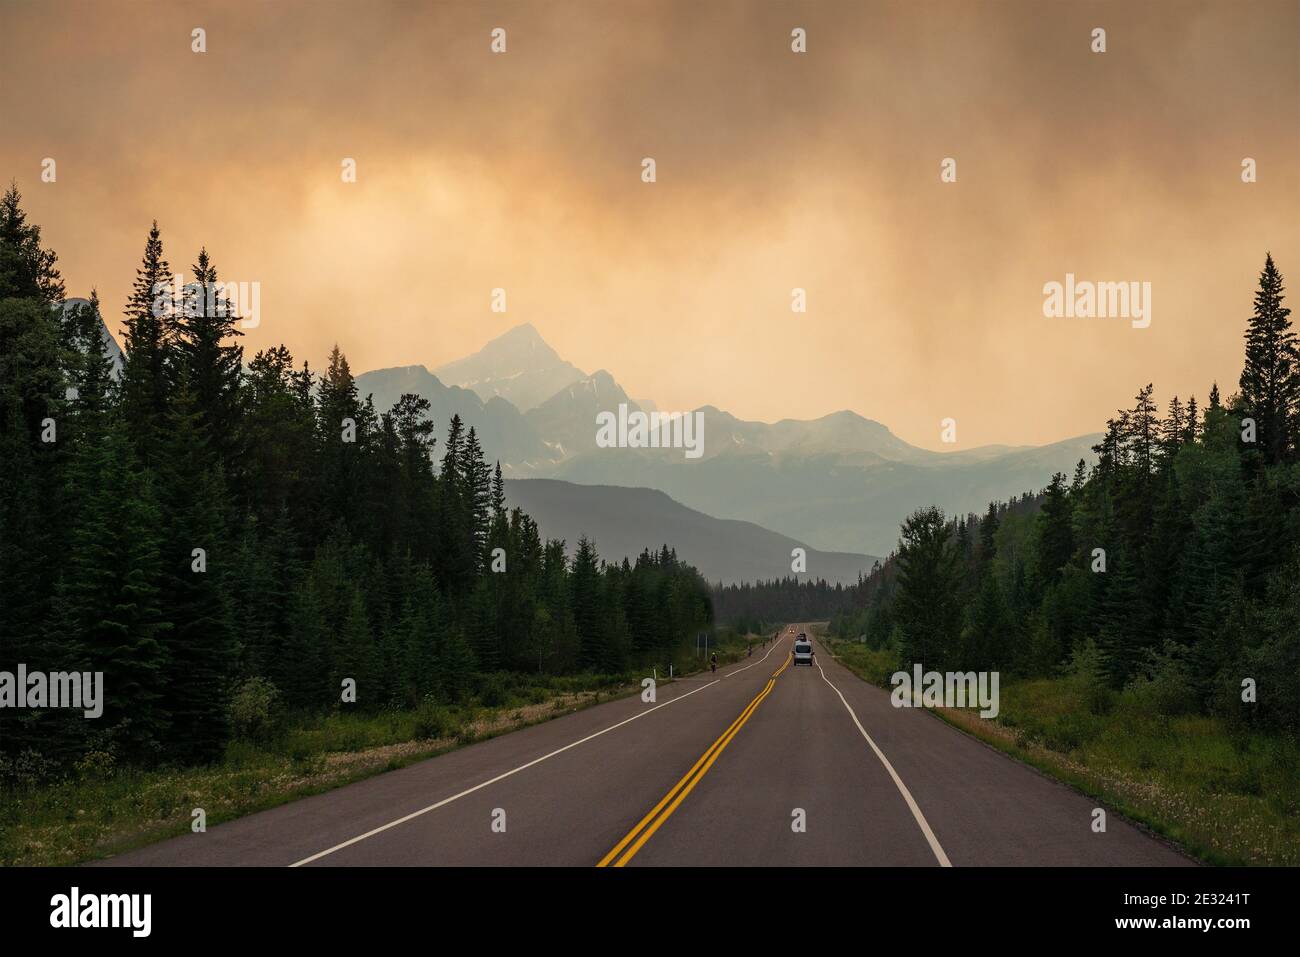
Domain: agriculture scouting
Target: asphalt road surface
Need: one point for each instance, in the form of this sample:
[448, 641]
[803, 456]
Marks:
[760, 764]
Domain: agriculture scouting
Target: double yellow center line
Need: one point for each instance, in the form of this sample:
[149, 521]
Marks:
[626, 849]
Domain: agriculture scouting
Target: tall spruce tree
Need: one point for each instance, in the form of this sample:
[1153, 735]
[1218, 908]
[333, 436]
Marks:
[149, 335]
[34, 367]
[27, 269]
[1270, 380]
[206, 333]
[925, 604]
[197, 554]
[1056, 535]
[585, 598]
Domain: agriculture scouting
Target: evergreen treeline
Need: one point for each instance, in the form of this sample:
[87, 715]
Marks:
[199, 522]
[761, 606]
[1174, 560]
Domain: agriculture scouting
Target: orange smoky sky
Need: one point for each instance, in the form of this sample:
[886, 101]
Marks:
[775, 170]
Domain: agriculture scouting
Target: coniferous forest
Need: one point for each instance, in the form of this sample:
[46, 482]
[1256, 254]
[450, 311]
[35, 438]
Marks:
[760, 606]
[1172, 564]
[203, 520]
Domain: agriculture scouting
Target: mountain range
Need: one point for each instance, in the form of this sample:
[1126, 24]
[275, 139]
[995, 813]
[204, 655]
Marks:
[623, 522]
[837, 486]
[841, 482]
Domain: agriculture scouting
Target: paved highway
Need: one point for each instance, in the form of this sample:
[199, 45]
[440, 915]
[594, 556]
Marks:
[760, 764]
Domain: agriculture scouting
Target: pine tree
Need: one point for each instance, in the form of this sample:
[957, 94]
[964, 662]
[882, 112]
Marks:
[105, 614]
[1172, 433]
[586, 604]
[303, 673]
[358, 655]
[205, 333]
[110, 616]
[342, 430]
[988, 532]
[415, 433]
[282, 462]
[925, 604]
[451, 458]
[200, 645]
[1122, 635]
[1171, 529]
[1211, 580]
[27, 269]
[985, 638]
[498, 493]
[458, 562]
[1270, 380]
[481, 624]
[1193, 429]
[1055, 531]
[148, 338]
[476, 483]
[34, 363]
[1142, 428]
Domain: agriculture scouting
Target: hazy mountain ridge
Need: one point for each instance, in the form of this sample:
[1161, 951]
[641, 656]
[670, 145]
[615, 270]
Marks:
[623, 521]
[519, 366]
[827, 497]
[566, 421]
[502, 430]
[841, 481]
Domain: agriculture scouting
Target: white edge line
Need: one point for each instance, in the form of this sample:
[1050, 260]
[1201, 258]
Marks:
[902, 788]
[478, 787]
[758, 662]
